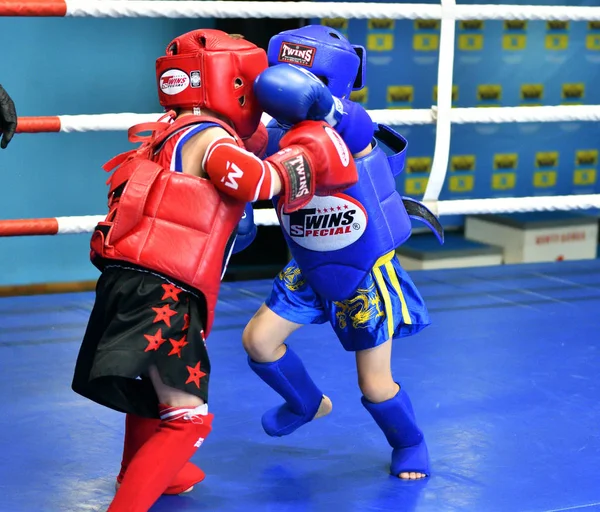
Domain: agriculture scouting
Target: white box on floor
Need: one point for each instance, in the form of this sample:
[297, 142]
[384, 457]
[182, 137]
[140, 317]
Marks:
[536, 237]
[423, 252]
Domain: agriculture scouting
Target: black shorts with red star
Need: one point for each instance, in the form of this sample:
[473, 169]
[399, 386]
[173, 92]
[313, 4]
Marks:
[141, 319]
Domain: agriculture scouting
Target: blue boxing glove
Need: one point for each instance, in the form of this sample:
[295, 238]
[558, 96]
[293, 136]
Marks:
[291, 94]
[355, 126]
[246, 232]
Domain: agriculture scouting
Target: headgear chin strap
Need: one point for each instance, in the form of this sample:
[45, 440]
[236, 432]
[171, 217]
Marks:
[326, 53]
[210, 69]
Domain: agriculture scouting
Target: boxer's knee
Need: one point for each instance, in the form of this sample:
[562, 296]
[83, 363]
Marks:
[259, 342]
[250, 339]
[377, 388]
[374, 370]
[265, 334]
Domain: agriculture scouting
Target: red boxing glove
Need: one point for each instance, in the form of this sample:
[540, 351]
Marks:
[333, 165]
[316, 161]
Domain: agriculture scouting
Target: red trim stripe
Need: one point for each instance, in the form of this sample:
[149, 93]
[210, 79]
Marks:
[28, 227]
[38, 124]
[33, 8]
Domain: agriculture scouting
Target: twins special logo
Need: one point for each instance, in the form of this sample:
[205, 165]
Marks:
[489, 92]
[297, 54]
[297, 170]
[515, 25]
[427, 24]
[326, 223]
[340, 24]
[505, 161]
[360, 96]
[573, 91]
[380, 24]
[400, 93]
[546, 159]
[462, 163]
[418, 164]
[471, 25]
[557, 25]
[173, 81]
[532, 91]
[586, 158]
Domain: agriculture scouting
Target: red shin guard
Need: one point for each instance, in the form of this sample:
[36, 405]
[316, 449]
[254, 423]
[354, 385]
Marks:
[137, 431]
[159, 460]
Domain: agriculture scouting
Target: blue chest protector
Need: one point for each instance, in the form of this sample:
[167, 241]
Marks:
[337, 239]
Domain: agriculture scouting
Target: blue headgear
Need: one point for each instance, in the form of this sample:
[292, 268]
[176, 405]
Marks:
[325, 52]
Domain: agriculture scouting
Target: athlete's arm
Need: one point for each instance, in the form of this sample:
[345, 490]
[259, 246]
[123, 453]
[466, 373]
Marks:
[313, 160]
[192, 153]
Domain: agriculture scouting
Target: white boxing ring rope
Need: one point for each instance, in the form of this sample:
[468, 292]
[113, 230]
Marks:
[283, 10]
[442, 115]
[267, 217]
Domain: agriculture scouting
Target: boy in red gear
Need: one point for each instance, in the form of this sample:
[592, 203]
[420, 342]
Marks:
[174, 205]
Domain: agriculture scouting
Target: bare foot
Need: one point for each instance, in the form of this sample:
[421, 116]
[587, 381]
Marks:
[324, 408]
[411, 476]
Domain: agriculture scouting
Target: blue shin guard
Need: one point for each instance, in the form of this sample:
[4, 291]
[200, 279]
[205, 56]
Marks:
[396, 419]
[288, 377]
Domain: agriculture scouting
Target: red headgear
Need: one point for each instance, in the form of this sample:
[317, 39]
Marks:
[209, 68]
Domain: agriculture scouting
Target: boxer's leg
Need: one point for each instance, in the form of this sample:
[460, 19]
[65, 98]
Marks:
[390, 407]
[386, 305]
[168, 349]
[184, 425]
[292, 303]
[137, 431]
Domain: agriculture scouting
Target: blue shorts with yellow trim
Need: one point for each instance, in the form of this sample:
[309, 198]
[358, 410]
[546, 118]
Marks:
[386, 305]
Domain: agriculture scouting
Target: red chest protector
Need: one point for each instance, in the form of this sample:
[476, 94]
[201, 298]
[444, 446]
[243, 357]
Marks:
[172, 223]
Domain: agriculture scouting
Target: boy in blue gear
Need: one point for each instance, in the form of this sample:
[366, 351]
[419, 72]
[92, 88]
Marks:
[344, 270]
